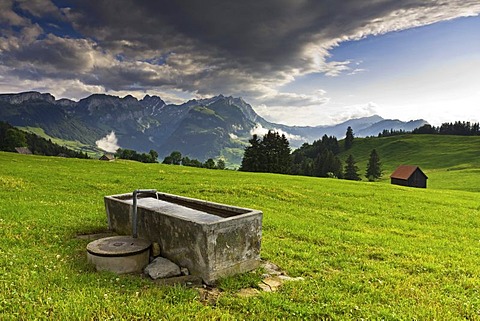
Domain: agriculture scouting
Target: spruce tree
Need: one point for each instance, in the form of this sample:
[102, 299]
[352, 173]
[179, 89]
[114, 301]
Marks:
[221, 164]
[270, 155]
[251, 160]
[327, 165]
[351, 169]
[176, 157]
[349, 138]
[209, 163]
[284, 155]
[374, 170]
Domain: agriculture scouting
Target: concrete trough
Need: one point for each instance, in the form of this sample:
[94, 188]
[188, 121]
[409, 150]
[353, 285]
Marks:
[212, 240]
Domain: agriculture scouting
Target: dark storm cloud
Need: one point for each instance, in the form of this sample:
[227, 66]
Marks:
[39, 8]
[261, 36]
[52, 55]
[247, 48]
[267, 35]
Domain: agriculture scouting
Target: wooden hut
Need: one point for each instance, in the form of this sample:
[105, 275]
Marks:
[23, 150]
[107, 157]
[409, 175]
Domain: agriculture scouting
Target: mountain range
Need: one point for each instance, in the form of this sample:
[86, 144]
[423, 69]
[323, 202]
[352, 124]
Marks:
[204, 128]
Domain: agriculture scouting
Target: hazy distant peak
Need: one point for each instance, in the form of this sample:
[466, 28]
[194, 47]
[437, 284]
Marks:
[374, 118]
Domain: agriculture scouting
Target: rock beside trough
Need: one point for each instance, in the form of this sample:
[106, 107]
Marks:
[162, 268]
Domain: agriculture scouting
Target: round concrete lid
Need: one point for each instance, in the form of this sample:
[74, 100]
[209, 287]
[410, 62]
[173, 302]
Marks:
[118, 246]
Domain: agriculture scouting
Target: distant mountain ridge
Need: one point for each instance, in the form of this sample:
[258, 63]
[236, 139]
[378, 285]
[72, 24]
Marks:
[206, 128]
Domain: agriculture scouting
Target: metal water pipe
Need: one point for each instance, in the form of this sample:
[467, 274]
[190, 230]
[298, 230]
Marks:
[134, 217]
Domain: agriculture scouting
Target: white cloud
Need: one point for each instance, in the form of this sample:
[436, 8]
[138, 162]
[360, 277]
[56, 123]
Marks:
[108, 143]
[317, 116]
[276, 98]
[356, 71]
[355, 111]
[335, 68]
[260, 131]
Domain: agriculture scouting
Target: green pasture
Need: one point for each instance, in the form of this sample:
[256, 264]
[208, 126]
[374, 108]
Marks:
[365, 250]
[450, 162]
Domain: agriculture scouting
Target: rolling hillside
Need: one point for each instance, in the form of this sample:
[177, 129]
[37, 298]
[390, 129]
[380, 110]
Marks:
[450, 162]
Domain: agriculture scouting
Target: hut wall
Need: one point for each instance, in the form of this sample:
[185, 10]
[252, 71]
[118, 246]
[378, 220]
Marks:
[398, 181]
[417, 179]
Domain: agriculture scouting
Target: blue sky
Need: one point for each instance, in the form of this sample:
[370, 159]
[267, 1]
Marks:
[306, 62]
[430, 72]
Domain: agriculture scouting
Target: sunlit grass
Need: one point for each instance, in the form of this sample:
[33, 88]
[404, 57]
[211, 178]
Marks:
[365, 250]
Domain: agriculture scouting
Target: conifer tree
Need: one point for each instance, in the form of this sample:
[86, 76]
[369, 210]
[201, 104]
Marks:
[221, 164]
[349, 138]
[351, 169]
[209, 163]
[327, 165]
[374, 170]
[270, 155]
[252, 156]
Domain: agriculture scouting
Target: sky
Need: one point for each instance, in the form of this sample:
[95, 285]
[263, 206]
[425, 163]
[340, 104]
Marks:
[297, 62]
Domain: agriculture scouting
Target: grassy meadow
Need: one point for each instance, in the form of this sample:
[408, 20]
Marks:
[450, 162]
[365, 250]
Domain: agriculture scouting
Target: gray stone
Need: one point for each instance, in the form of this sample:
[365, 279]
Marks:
[161, 268]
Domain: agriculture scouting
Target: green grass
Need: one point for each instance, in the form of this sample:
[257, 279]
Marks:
[365, 250]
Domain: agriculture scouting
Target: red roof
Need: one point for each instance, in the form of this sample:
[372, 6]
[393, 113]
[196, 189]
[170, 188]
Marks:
[405, 171]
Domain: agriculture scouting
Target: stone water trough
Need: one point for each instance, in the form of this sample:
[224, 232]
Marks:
[212, 240]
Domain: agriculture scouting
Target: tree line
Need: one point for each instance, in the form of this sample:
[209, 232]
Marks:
[175, 158]
[11, 138]
[150, 157]
[272, 154]
[460, 128]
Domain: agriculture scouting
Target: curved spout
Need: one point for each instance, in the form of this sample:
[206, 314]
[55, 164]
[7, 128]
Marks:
[134, 216]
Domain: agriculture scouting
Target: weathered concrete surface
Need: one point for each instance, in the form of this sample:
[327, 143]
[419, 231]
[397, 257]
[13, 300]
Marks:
[119, 254]
[212, 240]
[155, 249]
[161, 268]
